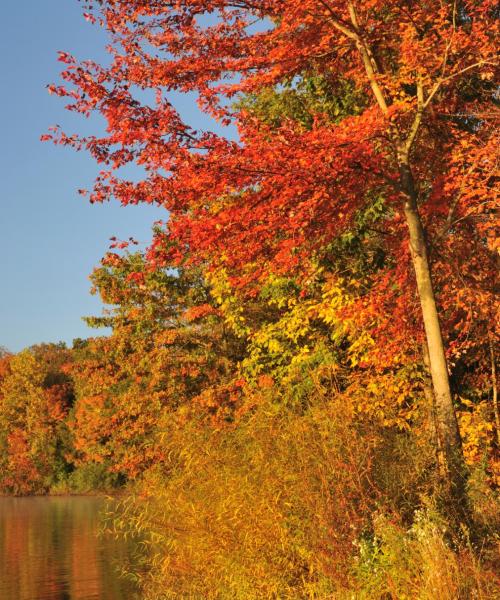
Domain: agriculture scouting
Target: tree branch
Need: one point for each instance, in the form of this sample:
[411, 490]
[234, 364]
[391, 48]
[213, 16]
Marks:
[442, 80]
[368, 61]
[418, 116]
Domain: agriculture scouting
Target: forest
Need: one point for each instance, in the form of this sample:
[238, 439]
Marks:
[295, 395]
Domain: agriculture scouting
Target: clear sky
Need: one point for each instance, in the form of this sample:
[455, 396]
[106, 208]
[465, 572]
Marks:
[50, 237]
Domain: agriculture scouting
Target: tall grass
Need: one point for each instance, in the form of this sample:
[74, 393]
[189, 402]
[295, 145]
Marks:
[295, 505]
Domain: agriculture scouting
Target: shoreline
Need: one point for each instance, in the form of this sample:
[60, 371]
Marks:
[90, 494]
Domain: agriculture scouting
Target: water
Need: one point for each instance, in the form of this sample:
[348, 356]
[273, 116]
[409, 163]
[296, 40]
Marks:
[50, 550]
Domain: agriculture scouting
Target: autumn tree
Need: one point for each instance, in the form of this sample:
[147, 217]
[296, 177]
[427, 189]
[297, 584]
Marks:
[35, 397]
[169, 350]
[422, 138]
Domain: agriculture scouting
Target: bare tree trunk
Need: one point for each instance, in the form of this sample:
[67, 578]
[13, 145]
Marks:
[445, 413]
[432, 417]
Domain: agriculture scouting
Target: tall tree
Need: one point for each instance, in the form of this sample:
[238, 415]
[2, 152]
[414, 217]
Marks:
[271, 201]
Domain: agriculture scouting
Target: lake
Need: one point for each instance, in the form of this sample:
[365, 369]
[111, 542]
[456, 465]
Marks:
[50, 550]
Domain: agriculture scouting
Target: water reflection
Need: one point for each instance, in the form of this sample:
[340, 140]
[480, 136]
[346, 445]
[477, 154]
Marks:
[49, 550]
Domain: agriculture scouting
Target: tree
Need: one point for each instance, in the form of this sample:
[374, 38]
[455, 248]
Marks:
[169, 350]
[35, 397]
[271, 202]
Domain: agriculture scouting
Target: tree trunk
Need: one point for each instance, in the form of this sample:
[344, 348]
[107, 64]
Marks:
[494, 389]
[445, 413]
[432, 417]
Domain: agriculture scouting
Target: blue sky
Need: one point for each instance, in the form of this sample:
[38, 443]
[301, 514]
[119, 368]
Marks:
[50, 237]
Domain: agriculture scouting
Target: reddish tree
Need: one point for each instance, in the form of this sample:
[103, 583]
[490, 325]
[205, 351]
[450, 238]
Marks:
[270, 201]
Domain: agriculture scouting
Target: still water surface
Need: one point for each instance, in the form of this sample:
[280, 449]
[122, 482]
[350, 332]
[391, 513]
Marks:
[50, 550]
